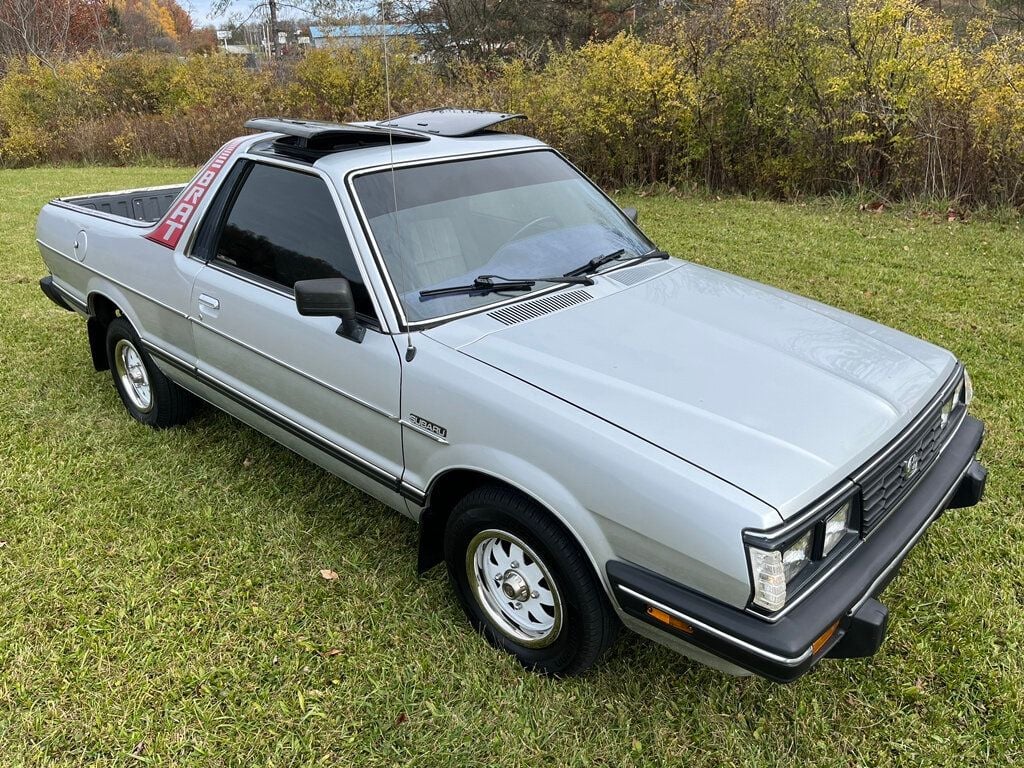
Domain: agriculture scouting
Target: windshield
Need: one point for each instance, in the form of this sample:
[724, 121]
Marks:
[518, 216]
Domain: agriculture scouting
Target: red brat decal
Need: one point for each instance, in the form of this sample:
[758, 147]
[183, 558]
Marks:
[168, 231]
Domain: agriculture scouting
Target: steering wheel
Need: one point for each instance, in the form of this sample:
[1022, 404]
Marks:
[527, 227]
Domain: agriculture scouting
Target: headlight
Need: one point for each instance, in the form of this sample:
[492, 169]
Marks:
[950, 404]
[836, 525]
[778, 562]
[774, 570]
[963, 393]
[769, 578]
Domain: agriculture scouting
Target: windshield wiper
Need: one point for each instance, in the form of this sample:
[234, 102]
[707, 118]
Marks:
[599, 261]
[490, 283]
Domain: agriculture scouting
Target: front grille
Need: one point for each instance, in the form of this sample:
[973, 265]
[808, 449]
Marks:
[885, 485]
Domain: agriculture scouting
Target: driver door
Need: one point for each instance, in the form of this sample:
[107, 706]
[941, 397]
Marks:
[328, 397]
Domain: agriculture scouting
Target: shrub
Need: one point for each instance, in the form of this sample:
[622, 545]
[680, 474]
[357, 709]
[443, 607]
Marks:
[782, 98]
[350, 83]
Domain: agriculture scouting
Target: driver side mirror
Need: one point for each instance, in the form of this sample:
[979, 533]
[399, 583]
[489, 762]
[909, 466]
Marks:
[631, 214]
[330, 297]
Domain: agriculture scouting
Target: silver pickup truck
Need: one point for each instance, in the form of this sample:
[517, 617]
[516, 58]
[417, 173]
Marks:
[588, 432]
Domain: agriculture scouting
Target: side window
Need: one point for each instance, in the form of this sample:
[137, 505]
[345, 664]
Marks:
[283, 226]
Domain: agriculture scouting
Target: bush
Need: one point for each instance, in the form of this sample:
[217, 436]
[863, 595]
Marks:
[784, 98]
[350, 83]
[622, 109]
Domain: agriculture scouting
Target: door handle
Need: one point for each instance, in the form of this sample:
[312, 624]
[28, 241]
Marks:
[208, 301]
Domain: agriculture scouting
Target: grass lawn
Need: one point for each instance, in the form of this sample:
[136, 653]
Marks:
[160, 596]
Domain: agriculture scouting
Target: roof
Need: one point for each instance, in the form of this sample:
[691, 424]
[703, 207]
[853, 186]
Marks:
[362, 30]
[340, 148]
[339, 164]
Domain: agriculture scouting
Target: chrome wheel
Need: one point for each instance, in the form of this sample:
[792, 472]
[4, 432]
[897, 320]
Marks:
[514, 588]
[131, 372]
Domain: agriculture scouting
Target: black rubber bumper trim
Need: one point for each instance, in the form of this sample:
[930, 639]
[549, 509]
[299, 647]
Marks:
[971, 488]
[53, 294]
[780, 650]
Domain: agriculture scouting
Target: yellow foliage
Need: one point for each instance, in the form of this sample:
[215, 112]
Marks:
[783, 98]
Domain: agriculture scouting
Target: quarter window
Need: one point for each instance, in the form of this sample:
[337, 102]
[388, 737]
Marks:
[283, 226]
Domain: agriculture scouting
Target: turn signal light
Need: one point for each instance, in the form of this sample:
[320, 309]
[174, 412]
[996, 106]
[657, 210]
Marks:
[818, 644]
[659, 615]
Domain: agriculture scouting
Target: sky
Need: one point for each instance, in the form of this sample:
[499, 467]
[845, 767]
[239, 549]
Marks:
[199, 10]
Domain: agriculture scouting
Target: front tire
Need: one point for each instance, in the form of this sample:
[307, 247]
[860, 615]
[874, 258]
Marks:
[148, 395]
[525, 584]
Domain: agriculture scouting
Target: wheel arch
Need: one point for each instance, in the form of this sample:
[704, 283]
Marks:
[450, 485]
[102, 309]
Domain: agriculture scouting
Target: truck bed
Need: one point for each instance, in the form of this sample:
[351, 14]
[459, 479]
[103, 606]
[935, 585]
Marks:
[148, 204]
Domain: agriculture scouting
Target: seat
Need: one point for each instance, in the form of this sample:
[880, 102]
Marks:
[433, 251]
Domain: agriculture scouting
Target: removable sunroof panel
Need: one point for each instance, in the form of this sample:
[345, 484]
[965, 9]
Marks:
[450, 122]
[306, 131]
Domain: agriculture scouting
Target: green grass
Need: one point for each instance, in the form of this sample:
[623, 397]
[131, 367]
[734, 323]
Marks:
[160, 597]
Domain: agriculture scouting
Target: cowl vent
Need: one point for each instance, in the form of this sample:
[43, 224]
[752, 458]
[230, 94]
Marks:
[517, 313]
[639, 273]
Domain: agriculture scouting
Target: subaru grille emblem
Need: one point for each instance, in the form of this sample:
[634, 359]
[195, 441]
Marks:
[910, 465]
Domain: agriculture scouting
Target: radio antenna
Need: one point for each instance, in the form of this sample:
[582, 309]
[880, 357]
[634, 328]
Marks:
[410, 350]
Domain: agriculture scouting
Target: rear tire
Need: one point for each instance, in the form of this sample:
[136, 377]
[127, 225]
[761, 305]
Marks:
[148, 395]
[525, 584]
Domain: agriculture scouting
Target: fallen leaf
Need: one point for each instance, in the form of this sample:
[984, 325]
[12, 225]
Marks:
[139, 749]
[247, 461]
[3, 544]
[402, 718]
[328, 574]
[333, 652]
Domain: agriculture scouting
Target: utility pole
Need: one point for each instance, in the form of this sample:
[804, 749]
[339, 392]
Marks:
[273, 27]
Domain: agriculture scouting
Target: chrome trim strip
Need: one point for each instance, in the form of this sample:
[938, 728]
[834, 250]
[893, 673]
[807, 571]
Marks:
[781, 531]
[118, 283]
[784, 660]
[317, 441]
[169, 356]
[308, 376]
[240, 274]
[139, 191]
[422, 431]
[413, 494]
[309, 434]
[81, 305]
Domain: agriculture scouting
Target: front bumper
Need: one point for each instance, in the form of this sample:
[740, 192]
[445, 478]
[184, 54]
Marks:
[844, 604]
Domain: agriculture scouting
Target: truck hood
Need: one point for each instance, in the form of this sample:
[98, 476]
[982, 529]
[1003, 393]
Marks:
[776, 394]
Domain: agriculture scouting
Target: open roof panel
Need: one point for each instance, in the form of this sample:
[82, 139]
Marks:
[312, 139]
[447, 121]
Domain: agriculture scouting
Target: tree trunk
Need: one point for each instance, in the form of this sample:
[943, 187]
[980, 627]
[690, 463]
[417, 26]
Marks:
[273, 28]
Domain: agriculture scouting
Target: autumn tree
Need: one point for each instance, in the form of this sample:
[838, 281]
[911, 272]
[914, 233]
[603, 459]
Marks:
[52, 29]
